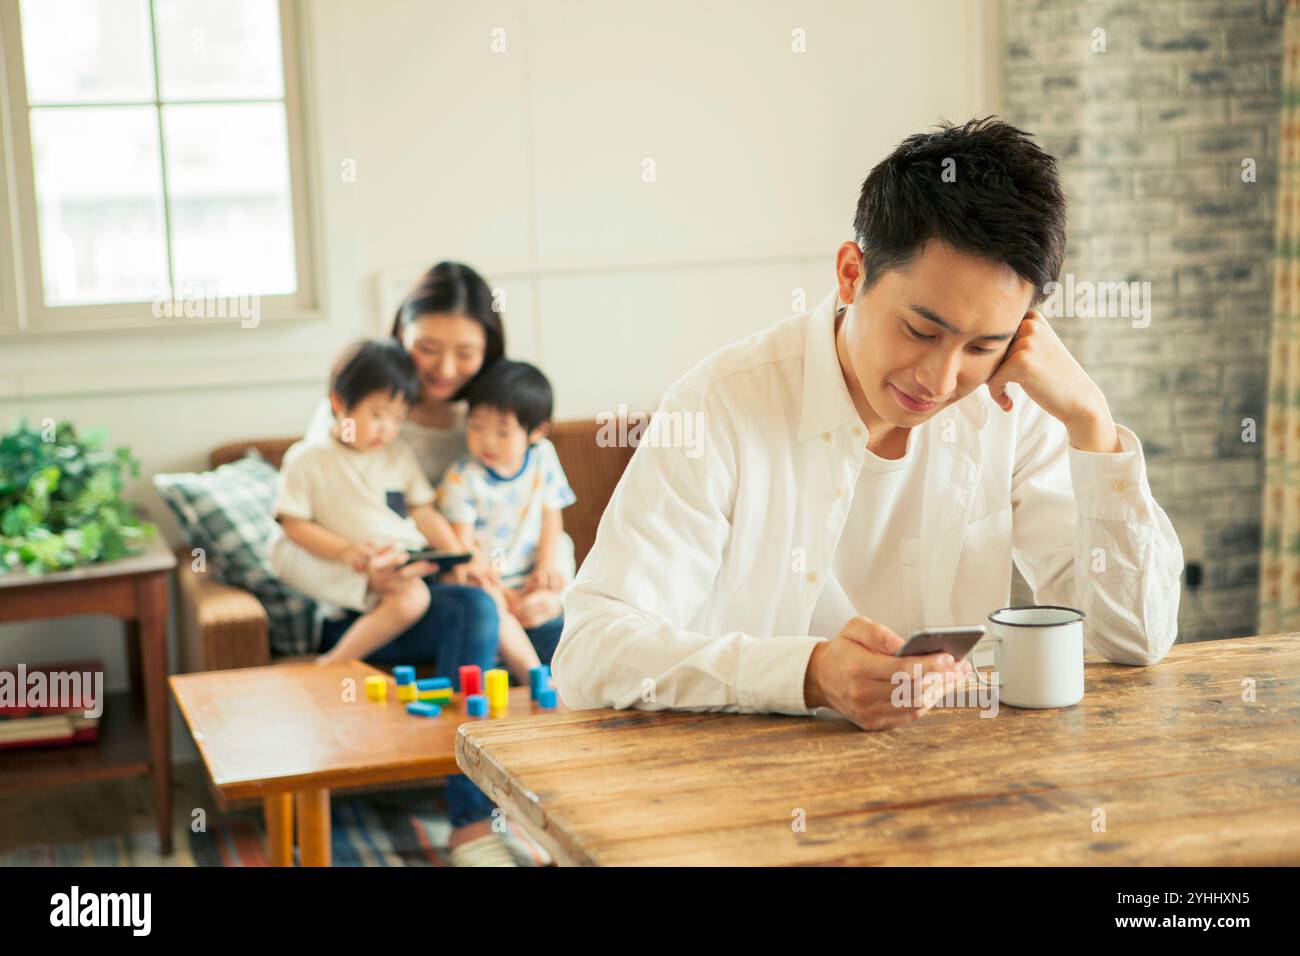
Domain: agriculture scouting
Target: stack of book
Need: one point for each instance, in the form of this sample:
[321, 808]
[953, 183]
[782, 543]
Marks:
[37, 710]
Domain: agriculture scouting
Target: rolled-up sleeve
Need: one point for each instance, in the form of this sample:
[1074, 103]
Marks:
[627, 639]
[1088, 533]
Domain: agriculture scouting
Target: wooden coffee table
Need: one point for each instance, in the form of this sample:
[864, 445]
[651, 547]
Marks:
[135, 731]
[288, 734]
[1185, 771]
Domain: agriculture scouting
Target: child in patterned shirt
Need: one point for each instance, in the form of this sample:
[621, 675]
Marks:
[504, 498]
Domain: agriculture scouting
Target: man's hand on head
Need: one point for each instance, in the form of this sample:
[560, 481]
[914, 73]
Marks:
[1038, 361]
[852, 674]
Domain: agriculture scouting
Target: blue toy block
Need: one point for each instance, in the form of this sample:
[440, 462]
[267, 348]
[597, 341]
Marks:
[539, 678]
[433, 683]
[404, 674]
[476, 705]
[546, 698]
[420, 709]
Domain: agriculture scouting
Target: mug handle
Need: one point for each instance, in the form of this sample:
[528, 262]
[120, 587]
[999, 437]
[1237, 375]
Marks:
[995, 639]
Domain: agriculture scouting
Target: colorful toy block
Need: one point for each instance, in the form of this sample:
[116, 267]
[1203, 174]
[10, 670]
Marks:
[434, 683]
[404, 674]
[437, 696]
[476, 705]
[546, 698]
[424, 710]
[539, 678]
[377, 687]
[471, 680]
[498, 688]
[406, 693]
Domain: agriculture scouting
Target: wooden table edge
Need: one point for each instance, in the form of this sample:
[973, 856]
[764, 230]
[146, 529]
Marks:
[155, 556]
[484, 773]
[435, 769]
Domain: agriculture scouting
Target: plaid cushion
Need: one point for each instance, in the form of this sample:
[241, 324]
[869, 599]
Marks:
[228, 513]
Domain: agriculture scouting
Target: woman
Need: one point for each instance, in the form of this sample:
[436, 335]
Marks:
[449, 327]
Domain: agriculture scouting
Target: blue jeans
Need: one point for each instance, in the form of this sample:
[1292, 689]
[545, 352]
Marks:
[459, 629]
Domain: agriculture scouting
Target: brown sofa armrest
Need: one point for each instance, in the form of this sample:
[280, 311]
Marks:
[221, 627]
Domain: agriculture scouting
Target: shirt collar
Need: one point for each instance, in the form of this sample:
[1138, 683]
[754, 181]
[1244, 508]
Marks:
[496, 478]
[826, 401]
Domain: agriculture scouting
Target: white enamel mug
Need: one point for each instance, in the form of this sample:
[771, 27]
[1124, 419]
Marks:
[1038, 655]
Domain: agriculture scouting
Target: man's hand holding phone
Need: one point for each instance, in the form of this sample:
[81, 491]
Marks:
[852, 674]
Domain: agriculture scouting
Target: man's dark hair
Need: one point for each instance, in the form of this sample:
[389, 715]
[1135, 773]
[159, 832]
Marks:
[375, 365]
[516, 387]
[1001, 200]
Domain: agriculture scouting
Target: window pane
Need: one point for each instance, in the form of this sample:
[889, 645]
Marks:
[219, 49]
[99, 204]
[87, 51]
[231, 211]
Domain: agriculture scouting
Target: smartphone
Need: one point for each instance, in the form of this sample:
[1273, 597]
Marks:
[443, 559]
[957, 641]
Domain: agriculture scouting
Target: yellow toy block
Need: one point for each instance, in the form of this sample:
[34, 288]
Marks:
[377, 687]
[496, 683]
[436, 696]
[406, 693]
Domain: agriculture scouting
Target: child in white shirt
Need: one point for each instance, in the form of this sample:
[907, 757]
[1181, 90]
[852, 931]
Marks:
[349, 496]
[504, 498]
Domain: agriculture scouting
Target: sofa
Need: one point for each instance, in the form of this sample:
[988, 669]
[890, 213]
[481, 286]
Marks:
[222, 627]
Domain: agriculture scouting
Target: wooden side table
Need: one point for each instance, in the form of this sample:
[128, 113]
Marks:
[134, 732]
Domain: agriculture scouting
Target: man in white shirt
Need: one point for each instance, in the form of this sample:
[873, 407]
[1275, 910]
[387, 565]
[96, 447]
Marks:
[855, 480]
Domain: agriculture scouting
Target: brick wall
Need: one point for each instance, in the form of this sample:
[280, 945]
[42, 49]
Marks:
[1151, 135]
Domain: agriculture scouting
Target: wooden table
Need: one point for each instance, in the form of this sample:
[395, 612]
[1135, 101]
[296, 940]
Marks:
[1185, 772]
[289, 733]
[134, 731]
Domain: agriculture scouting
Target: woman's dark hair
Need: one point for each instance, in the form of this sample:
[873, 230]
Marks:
[456, 288]
[513, 387]
[375, 365]
[998, 198]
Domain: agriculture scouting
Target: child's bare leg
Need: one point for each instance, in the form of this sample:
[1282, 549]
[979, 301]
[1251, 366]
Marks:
[517, 651]
[396, 611]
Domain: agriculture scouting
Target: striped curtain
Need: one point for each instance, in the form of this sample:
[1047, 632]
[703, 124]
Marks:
[1279, 596]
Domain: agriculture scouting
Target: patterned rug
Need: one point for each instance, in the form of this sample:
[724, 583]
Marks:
[402, 828]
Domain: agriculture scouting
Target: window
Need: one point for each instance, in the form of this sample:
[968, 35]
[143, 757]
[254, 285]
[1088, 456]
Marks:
[159, 158]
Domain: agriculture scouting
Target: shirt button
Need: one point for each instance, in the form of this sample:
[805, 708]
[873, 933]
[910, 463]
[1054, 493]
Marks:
[826, 436]
[1121, 485]
[857, 429]
[839, 492]
[812, 576]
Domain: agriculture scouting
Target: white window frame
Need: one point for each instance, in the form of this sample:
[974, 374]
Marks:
[23, 311]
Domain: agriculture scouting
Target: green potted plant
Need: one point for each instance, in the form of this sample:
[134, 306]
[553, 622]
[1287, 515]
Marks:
[61, 499]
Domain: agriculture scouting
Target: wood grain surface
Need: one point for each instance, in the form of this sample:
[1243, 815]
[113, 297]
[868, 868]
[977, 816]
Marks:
[1171, 758]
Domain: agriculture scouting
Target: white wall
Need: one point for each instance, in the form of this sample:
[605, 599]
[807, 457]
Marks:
[528, 165]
